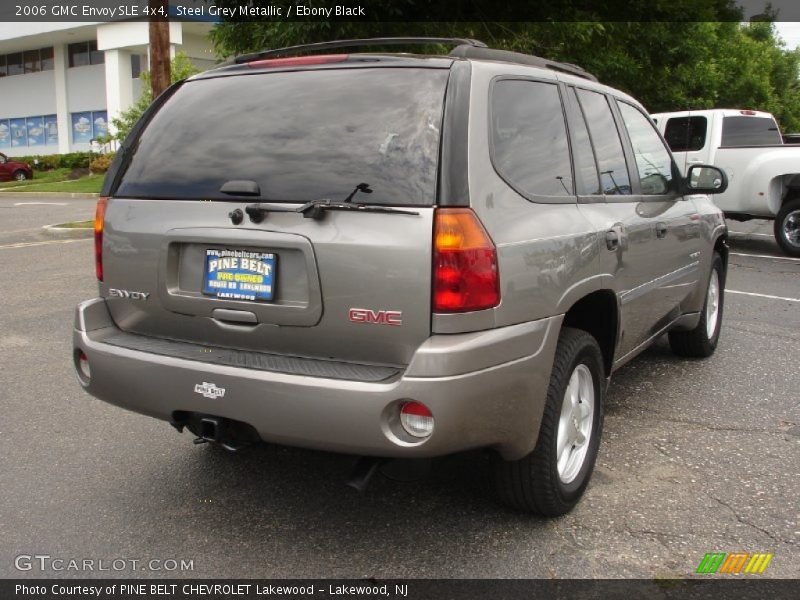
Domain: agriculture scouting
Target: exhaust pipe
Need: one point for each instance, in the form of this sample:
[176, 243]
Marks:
[362, 473]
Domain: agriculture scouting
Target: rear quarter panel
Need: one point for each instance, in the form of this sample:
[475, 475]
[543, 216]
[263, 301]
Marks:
[547, 253]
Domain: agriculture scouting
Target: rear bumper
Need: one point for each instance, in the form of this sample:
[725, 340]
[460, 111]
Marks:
[485, 389]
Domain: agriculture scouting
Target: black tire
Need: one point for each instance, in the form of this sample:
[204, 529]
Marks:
[20, 175]
[533, 483]
[787, 227]
[697, 343]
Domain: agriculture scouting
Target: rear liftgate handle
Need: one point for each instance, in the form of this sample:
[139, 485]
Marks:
[237, 318]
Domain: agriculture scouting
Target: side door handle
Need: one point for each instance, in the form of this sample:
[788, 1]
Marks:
[661, 230]
[612, 239]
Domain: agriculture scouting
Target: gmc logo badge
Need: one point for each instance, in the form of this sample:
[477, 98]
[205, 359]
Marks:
[382, 317]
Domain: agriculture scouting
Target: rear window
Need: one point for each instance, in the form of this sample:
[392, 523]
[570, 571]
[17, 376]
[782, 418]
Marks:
[300, 136]
[749, 131]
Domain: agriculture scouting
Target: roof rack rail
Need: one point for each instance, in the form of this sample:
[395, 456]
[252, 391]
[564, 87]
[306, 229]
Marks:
[484, 53]
[390, 41]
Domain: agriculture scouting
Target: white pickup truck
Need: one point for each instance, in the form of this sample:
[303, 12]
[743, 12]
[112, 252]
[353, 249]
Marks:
[763, 173]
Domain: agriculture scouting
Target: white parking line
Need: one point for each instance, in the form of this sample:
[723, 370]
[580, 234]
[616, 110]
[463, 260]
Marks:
[41, 204]
[47, 243]
[765, 256]
[763, 295]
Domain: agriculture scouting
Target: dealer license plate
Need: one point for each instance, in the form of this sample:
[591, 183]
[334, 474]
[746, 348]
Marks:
[239, 275]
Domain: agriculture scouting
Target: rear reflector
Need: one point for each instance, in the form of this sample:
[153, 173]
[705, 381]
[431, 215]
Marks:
[99, 223]
[416, 419]
[464, 263]
[298, 61]
[83, 365]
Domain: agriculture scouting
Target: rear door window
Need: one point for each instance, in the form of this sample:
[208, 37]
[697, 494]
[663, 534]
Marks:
[529, 138]
[585, 165]
[749, 131]
[653, 160]
[686, 134]
[614, 177]
[301, 136]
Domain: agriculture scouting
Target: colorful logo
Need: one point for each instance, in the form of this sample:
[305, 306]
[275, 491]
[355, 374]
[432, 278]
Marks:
[734, 563]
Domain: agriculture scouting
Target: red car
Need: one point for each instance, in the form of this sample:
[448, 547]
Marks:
[12, 169]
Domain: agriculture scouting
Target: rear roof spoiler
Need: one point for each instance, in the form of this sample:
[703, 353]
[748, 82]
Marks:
[359, 43]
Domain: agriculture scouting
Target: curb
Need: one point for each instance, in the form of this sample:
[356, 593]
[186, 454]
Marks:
[70, 195]
[68, 232]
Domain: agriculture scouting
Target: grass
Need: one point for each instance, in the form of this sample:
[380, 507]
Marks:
[89, 184]
[39, 177]
[55, 181]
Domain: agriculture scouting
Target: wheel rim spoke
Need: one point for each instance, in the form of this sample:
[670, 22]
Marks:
[712, 304]
[791, 228]
[575, 424]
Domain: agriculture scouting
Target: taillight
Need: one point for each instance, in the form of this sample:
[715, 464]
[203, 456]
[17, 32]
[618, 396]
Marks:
[298, 61]
[464, 263]
[99, 222]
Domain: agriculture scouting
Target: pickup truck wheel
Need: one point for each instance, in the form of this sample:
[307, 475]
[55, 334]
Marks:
[20, 175]
[550, 480]
[701, 341]
[787, 227]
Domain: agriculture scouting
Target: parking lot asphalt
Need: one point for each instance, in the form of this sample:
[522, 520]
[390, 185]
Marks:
[697, 457]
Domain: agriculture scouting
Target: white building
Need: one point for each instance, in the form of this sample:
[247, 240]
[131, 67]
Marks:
[62, 83]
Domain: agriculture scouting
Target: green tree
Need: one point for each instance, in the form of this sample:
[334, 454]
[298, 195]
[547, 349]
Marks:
[182, 68]
[670, 56]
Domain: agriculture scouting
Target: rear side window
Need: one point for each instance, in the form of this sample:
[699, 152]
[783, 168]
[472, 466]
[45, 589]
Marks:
[653, 161]
[614, 177]
[686, 134]
[529, 138]
[300, 136]
[585, 167]
[749, 131]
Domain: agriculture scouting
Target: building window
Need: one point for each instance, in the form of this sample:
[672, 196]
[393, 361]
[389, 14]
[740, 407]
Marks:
[78, 54]
[15, 64]
[85, 53]
[96, 57]
[87, 126]
[32, 60]
[29, 132]
[48, 63]
[136, 66]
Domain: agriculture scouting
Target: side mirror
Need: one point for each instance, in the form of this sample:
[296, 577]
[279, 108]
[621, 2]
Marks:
[705, 179]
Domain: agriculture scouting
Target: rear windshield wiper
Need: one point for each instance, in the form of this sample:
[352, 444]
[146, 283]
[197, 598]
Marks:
[315, 209]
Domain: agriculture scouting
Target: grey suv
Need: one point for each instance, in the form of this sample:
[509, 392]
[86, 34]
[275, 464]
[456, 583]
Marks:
[398, 255]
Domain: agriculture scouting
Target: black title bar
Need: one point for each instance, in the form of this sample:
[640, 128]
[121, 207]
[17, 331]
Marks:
[16, 11]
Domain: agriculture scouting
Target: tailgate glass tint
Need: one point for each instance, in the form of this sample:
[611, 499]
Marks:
[300, 136]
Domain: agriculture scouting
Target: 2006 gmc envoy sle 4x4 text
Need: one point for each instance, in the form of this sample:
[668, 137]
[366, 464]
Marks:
[398, 255]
